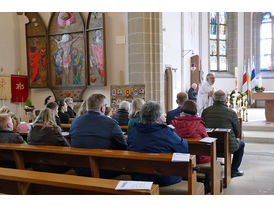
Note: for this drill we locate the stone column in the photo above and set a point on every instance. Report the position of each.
(145, 53)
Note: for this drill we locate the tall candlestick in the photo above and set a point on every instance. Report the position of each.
(236, 78)
(260, 82)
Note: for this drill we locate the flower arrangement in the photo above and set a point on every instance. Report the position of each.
(258, 89)
(237, 95)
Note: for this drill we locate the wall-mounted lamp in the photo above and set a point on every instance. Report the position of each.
(174, 69)
(185, 52)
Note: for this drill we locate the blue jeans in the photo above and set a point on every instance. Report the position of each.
(237, 157)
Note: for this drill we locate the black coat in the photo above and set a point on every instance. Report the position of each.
(64, 117)
(121, 116)
(70, 112)
(192, 94)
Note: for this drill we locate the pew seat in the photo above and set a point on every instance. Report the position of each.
(39, 183)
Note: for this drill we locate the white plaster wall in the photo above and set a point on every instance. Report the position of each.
(190, 42)
(172, 48)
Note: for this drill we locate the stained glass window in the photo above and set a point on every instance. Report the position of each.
(266, 42)
(217, 43)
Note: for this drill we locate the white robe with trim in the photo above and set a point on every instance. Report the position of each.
(203, 100)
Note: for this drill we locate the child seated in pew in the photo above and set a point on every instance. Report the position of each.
(45, 131)
(8, 136)
(15, 121)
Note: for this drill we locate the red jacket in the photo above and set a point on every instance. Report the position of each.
(191, 127)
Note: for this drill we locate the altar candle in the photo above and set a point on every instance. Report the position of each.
(236, 78)
(260, 82)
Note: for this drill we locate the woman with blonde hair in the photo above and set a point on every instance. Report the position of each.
(45, 131)
(135, 108)
(15, 121)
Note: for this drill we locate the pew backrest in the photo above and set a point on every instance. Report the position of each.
(96, 159)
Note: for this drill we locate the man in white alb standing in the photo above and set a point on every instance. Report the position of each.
(206, 90)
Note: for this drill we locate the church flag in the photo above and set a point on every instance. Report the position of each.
(5, 87)
(244, 87)
(19, 88)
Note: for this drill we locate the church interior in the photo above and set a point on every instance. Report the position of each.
(76, 57)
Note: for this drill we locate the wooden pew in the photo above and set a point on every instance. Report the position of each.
(222, 145)
(196, 147)
(66, 126)
(124, 128)
(24, 182)
(70, 120)
(95, 159)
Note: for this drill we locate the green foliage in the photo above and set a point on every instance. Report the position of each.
(28, 102)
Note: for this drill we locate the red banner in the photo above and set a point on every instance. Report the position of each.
(19, 88)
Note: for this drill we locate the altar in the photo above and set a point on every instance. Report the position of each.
(268, 97)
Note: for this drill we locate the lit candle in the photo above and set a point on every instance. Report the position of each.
(236, 78)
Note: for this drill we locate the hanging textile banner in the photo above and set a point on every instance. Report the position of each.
(19, 88)
(5, 87)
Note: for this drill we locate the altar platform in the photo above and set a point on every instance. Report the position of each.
(257, 129)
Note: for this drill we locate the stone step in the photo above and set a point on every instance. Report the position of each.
(259, 137)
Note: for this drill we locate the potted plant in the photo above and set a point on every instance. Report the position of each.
(258, 89)
(28, 106)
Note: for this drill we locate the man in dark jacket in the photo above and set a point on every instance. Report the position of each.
(8, 136)
(219, 116)
(192, 94)
(150, 137)
(181, 98)
(121, 116)
(69, 102)
(96, 131)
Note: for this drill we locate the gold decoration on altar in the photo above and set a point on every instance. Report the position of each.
(5, 87)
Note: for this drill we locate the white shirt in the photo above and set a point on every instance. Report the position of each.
(203, 100)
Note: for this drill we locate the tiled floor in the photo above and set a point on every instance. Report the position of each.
(258, 166)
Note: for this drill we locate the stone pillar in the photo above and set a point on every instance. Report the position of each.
(145, 53)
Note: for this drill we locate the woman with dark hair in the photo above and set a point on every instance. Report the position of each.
(63, 116)
(188, 125)
(48, 100)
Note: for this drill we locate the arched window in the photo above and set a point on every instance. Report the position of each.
(218, 41)
(266, 42)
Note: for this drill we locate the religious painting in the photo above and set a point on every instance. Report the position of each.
(96, 49)
(125, 93)
(67, 54)
(36, 50)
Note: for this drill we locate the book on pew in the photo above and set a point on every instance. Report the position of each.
(208, 139)
(180, 157)
(134, 185)
(209, 129)
(222, 130)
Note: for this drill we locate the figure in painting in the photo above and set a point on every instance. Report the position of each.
(37, 58)
(65, 44)
(58, 66)
(76, 58)
(97, 50)
(66, 19)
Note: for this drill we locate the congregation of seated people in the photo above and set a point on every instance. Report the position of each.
(95, 127)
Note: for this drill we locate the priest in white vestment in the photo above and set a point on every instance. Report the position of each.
(205, 93)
